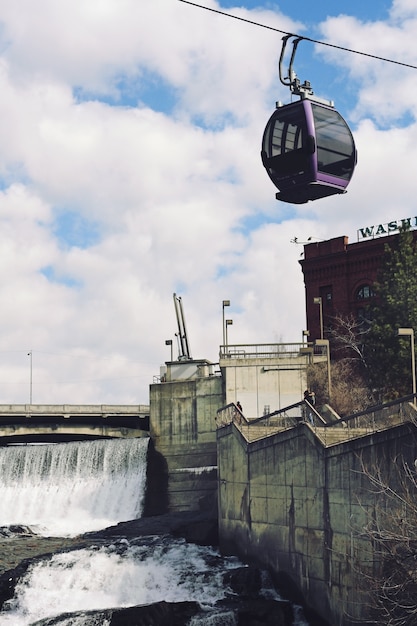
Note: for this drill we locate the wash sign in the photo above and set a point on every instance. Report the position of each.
(370, 232)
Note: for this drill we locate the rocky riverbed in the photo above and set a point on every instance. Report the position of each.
(19, 549)
(18, 543)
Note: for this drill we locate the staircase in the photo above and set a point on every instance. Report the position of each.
(358, 425)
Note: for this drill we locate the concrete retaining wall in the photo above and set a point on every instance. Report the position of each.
(298, 507)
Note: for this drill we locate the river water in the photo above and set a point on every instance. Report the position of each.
(65, 490)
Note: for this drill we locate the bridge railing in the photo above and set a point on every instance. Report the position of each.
(103, 410)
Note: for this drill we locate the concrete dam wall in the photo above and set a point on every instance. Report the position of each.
(183, 450)
(298, 498)
(299, 501)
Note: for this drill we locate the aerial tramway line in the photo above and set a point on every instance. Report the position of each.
(308, 149)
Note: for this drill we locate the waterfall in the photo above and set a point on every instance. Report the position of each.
(71, 488)
(119, 575)
(67, 489)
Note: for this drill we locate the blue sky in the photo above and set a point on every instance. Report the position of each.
(130, 169)
(313, 12)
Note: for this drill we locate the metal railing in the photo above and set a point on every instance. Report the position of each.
(282, 418)
(267, 350)
(381, 416)
(373, 419)
(229, 414)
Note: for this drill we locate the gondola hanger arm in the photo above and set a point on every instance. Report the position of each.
(303, 90)
(291, 80)
(286, 80)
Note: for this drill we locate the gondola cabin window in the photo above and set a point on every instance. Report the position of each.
(335, 148)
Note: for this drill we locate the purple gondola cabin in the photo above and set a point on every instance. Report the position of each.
(308, 151)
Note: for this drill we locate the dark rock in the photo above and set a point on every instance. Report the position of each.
(253, 610)
(265, 613)
(157, 614)
(289, 589)
(253, 613)
(202, 532)
(9, 580)
(19, 529)
(244, 581)
(287, 586)
(195, 526)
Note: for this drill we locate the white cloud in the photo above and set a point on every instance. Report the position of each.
(386, 91)
(402, 9)
(130, 169)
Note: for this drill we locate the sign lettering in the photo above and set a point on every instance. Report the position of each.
(379, 230)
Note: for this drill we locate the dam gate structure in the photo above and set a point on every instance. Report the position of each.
(183, 407)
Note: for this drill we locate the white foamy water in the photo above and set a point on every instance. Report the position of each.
(119, 576)
(71, 488)
(68, 489)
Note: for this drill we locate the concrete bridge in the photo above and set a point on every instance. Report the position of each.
(64, 422)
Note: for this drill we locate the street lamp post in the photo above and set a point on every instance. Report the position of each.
(409, 332)
(326, 343)
(228, 323)
(224, 304)
(319, 301)
(306, 335)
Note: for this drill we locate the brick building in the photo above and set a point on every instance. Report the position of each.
(338, 277)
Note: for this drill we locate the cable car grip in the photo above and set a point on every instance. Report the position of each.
(305, 89)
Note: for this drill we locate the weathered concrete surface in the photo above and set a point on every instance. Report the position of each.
(300, 508)
(183, 454)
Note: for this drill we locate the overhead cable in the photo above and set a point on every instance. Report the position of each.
(322, 43)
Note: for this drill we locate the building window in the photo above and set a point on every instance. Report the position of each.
(365, 292)
(326, 294)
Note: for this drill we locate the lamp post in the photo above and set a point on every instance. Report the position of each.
(168, 342)
(30, 378)
(224, 304)
(326, 343)
(409, 332)
(319, 301)
(306, 335)
(228, 323)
